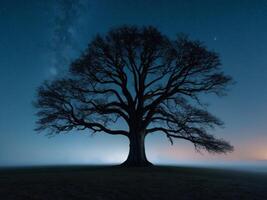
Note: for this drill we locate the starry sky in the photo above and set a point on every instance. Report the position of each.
(40, 38)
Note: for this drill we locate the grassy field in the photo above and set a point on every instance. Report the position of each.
(116, 183)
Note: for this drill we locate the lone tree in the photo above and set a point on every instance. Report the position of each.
(142, 78)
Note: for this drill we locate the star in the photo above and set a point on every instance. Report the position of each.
(53, 71)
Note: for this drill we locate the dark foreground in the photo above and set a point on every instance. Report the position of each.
(116, 183)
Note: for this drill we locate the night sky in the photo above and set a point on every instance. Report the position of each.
(40, 38)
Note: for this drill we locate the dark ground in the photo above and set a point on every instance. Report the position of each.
(108, 183)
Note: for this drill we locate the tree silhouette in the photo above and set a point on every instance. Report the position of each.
(139, 77)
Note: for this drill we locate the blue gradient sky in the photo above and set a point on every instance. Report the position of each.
(29, 55)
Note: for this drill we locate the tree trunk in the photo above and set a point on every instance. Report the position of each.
(137, 155)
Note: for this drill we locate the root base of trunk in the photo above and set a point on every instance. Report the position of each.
(136, 164)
